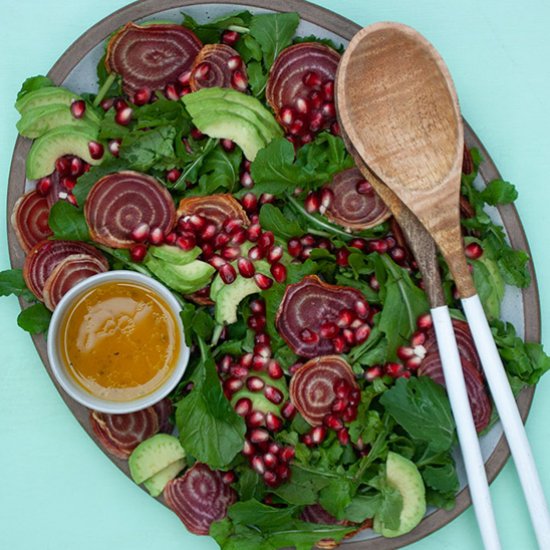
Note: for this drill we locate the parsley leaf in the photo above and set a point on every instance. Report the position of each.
(143, 150)
(499, 192)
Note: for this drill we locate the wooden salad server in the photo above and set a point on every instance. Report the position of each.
(424, 250)
(398, 106)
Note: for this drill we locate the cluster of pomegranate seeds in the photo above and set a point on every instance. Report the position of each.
(268, 458)
(319, 201)
(301, 247)
(410, 356)
(343, 410)
(245, 178)
(67, 170)
(311, 114)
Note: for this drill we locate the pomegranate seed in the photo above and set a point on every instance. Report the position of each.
(378, 245)
(186, 242)
(398, 254)
(232, 385)
(255, 419)
(414, 362)
(316, 99)
(246, 180)
(68, 183)
(78, 108)
(142, 96)
(259, 362)
(424, 322)
(274, 395)
(335, 128)
(196, 133)
(393, 369)
(302, 105)
(71, 199)
(345, 318)
(288, 411)
(294, 247)
(246, 360)
(316, 121)
(274, 448)
(246, 267)
(270, 460)
(287, 116)
(266, 239)
(339, 344)
(44, 185)
(271, 479)
(138, 252)
(120, 104)
(328, 329)
(199, 223)
(156, 236)
(229, 477)
(106, 104)
(255, 383)
(328, 90)
(373, 283)
(140, 232)
(262, 350)
(225, 363)
(362, 333)
(361, 308)
(171, 238)
(230, 252)
(420, 351)
(328, 110)
(227, 273)
(405, 352)
(342, 255)
(308, 336)
(262, 339)
(312, 202)
(391, 242)
(318, 434)
(248, 448)
(327, 196)
(239, 237)
(258, 435)
(263, 281)
(184, 78)
(256, 253)
(209, 232)
(279, 272)
(283, 471)
(372, 373)
(333, 422)
(173, 175)
(473, 251)
(201, 70)
(249, 202)
(308, 240)
(339, 406)
(243, 406)
(257, 463)
(230, 37)
(312, 79)
(418, 338)
(363, 187)
(342, 389)
(114, 147)
(274, 370)
(257, 306)
(234, 62)
(307, 440)
(238, 81)
(256, 322)
(350, 414)
(220, 240)
(124, 116)
(349, 336)
(297, 127)
(227, 145)
(354, 397)
(275, 254)
(273, 422)
(96, 150)
(287, 454)
(343, 436)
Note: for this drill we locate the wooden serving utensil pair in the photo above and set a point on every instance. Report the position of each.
(399, 115)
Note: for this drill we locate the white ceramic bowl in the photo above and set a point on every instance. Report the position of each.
(68, 383)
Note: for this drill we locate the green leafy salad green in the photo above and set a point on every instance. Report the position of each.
(307, 409)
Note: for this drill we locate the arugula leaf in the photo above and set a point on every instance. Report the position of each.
(274, 32)
(421, 407)
(87, 180)
(252, 512)
(336, 496)
(489, 285)
(272, 219)
(209, 429)
(499, 192)
(143, 150)
(441, 477)
(163, 112)
(513, 265)
(390, 507)
(211, 32)
(35, 319)
(257, 78)
(34, 83)
(12, 282)
(68, 222)
(110, 129)
(220, 171)
(191, 162)
(363, 507)
(303, 487)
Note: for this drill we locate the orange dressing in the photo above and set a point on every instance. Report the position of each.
(119, 341)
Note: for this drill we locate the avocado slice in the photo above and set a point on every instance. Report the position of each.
(64, 140)
(155, 484)
(403, 475)
(37, 121)
(230, 296)
(186, 278)
(153, 455)
(45, 96)
(174, 255)
(261, 266)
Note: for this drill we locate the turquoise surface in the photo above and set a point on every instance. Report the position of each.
(57, 489)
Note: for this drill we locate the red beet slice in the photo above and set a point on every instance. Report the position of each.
(299, 73)
(199, 498)
(218, 65)
(151, 56)
(66, 274)
(215, 208)
(44, 257)
(118, 203)
(315, 513)
(29, 219)
(479, 399)
(164, 409)
(120, 434)
(352, 209)
(312, 386)
(305, 307)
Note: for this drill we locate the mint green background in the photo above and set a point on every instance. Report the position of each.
(57, 490)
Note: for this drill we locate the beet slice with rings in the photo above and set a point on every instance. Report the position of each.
(120, 434)
(164, 410)
(215, 208)
(300, 87)
(66, 274)
(151, 56)
(29, 219)
(315, 513)
(305, 307)
(355, 205)
(119, 202)
(218, 65)
(312, 386)
(199, 498)
(43, 258)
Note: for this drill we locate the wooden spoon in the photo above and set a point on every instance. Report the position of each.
(398, 106)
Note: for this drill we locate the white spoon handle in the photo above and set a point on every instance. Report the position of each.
(510, 418)
(467, 435)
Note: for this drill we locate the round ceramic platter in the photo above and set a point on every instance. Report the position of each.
(76, 69)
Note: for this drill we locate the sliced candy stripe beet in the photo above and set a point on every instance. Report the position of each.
(352, 209)
(286, 78)
(305, 306)
(118, 203)
(120, 434)
(315, 513)
(218, 65)
(67, 273)
(151, 56)
(312, 386)
(477, 393)
(199, 498)
(215, 208)
(29, 219)
(44, 257)
(164, 410)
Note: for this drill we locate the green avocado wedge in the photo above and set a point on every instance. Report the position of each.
(403, 475)
(155, 484)
(64, 140)
(174, 255)
(186, 278)
(45, 96)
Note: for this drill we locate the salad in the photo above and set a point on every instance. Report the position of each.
(314, 403)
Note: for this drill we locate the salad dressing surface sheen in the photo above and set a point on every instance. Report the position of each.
(120, 341)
